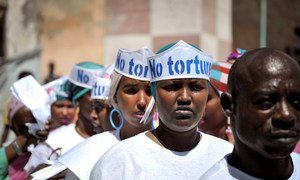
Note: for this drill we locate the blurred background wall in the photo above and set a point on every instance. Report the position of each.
(34, 33)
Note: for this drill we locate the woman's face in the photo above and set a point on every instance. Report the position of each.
(132, 98)
(181, 102)
(62, 112)
(85, 106)
(214, 118)
(100, 113)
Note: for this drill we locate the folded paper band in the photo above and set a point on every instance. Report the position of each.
(180, 61)
(83, 77)
(100, 89)
(133, 64)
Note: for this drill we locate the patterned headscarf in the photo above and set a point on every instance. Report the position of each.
(219, 75)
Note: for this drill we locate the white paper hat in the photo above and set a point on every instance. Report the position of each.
(182, 60)
(53, 88)
(83, 77)
(133, 64)
(33, 95)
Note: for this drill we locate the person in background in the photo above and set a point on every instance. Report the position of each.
(263, 104)
(175, 149)
(14, 157)
(5, 114)
(214, 121)
(62, 108)
(86, 150)
(78, 87)
(51, 75)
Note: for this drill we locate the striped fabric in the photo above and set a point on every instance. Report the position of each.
(219, 75)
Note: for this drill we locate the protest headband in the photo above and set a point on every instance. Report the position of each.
(133, 64)
(180, 61)
(100, 89)
(84, 77)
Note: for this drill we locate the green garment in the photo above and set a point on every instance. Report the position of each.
(3, 165)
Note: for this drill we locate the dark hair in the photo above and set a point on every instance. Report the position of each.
(24, 74)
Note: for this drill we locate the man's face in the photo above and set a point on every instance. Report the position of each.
(181, 102)
(267, 109)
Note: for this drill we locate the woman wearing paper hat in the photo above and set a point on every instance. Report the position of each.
(214, 120)
(78, 87)
(175, 149)
(133, 106)
(62, 109)
(14, 157)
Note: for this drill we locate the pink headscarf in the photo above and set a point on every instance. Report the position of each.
(13, 106)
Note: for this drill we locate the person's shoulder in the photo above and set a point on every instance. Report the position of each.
(217, 142)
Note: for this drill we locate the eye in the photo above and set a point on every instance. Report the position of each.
(148, 90)
(196, 87)
(130, 90)
(264, 103)
(172, 87)
(295, 101)
(98, 107)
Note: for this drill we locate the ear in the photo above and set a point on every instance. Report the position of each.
(227, 104)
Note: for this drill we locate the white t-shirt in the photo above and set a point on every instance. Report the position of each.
(222, 170)
(59, 141)
(141, 158)
(82, 157)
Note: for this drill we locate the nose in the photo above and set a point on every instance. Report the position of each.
(184, 97)
(142, 101)
(94, 115)
(284, 116)
(64, 110)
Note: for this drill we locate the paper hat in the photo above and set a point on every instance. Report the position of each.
(100, 88)
(101, 85)
(182, 60)
(133, 64)
(83, 77)
(55, 90)
(219, 75)
(33, 96)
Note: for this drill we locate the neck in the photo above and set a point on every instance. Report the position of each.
(218, 132)
(254, 164)
(128, 130)
(177, 141)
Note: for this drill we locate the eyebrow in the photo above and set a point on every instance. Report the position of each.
(130, 85)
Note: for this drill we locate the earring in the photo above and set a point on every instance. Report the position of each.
(112, 121)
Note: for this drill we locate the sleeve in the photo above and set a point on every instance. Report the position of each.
(3, 164)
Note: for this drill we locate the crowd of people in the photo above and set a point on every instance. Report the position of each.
(176, 113)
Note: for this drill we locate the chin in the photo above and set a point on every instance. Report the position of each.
(276, 152)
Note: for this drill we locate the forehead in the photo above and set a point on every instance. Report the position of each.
(129, 81)
(271, 73)
(183, 80)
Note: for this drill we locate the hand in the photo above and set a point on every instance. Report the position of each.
(42, 135)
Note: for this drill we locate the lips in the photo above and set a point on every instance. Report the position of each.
(184, 112)
(139, 114)
(284, 136)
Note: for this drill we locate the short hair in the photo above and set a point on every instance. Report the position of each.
(236, 76)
